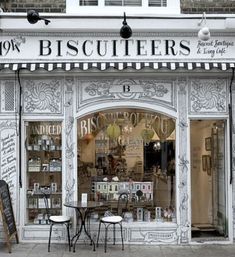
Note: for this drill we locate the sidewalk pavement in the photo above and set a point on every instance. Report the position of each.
(61, 250)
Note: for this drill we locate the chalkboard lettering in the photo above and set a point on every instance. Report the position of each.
(7, 213)
(8, 160)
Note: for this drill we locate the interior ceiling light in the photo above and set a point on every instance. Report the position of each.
(33, 17)
(125, 31)
(204, 32)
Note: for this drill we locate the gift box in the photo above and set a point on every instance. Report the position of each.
(34, 165)
(55, 165)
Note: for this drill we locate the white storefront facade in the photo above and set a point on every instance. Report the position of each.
(74, 91)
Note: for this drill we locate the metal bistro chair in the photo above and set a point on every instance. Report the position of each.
(112, 219)
(55, 219)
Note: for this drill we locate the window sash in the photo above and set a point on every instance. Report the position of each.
(123, 2)
(88, 2)
(157, 3)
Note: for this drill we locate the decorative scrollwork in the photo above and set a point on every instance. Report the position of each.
(8, 124)
(42, 96)
(158, 236)
(183, 124)
(149, 90)
(98, 88)
(69, 187)
(152, 89)
(69, 142)
(183, 163)
(184, 197)
(208, 96)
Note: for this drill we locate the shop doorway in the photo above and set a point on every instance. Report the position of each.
(208, 180)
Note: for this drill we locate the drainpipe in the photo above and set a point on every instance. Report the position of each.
(20, 130)
(231, 127)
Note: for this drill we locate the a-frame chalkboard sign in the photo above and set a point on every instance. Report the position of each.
(8, 218)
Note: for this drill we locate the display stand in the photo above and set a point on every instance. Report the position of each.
(8, 218)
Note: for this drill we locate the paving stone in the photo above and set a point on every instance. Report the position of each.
(61, 250)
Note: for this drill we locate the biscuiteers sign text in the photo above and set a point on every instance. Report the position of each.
(40, 48)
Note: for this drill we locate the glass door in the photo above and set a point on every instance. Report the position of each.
(208, 179)
(219, 185)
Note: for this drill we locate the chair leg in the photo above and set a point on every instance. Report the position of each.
(122, 236)
(97, 242)
(49, 241)
(105, 238)
(68, 233)
(88, 225)
(114, 234)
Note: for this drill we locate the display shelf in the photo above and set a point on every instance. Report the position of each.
(43, 169)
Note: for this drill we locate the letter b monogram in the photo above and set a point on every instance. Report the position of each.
(126, 88)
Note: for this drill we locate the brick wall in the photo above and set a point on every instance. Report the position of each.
(58, 6)
(54, 6)
(208, 6)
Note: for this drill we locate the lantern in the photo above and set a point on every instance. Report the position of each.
(163, 126)
(147, 135)
(88, 138)
(113, 131)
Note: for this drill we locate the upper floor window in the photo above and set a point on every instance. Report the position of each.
(88, 2)
(158, 3)
(154, 3)
(130, 6)
(123, 2)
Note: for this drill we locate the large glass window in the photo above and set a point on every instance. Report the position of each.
(44, 169)
(133, 151)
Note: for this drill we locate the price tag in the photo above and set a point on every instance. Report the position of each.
(84, 197)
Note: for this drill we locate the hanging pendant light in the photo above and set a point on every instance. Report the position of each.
(33, 17)
(113, 131)
(147, 134)
(204, 32)
(125, 31)
(127, 128)
(157, 146)
(163, 126)
(88, 137)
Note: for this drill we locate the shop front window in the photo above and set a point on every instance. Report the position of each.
(132, 151)
(43, 169)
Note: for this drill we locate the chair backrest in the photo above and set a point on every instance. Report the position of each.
(46, 198)
(122, 204)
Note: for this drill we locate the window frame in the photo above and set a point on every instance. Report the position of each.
(73, 6)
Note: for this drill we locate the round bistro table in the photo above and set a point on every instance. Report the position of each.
(82, 213)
